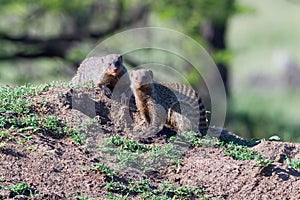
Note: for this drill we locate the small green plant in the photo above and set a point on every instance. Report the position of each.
(127, 144)
(103, 169)
(140, 186)
(3, 145)
(83, 198)
(79, 138)
(295, 163)
(26, 137)
(80, 197)
(116, 196)
(58, 129)
(123, 189)
(3, 135)
(181, 192)
(17, 115)
(126, 153)
(143, 188)
(117, 187)
(240, 152)
(193, 139)
(16, 100)
(132, 187)
(263, 162)
(53, 124)
(20, 188)
(31, 148)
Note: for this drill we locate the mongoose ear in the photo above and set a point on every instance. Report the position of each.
(120, 59)
(151, 73)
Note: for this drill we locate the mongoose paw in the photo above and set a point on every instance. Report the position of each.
(106, 91)
(148, 135)
(146, 140)
(151, 131)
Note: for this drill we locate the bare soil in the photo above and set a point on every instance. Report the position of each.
(56, 168)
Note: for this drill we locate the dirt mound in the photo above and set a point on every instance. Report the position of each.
(226, 178)
(59, 167)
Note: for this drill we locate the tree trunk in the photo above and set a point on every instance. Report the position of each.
(215, 35)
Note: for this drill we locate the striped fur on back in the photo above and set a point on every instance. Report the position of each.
(173, 104)
(187, 95)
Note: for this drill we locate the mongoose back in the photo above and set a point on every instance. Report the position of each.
(104, 71)
(173, 104)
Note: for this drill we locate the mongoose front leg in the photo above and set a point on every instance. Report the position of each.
(105, 90)
(158, 117)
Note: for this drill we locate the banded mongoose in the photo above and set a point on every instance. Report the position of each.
(173, 104)
(104, 71)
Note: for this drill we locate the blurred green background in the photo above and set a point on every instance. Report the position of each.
(254, 43)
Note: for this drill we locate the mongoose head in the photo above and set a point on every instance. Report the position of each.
(141, 77)
(113, 64)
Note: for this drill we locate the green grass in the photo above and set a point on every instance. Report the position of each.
(295, 163)
(16, 100)
(79, 138)
(80, 197)
(145, 190)
(20, 188)
(103, 169)
(124, 153)
(192, 139)
(240, 152)
(127, 189)
(129, 145)
(18, 118)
